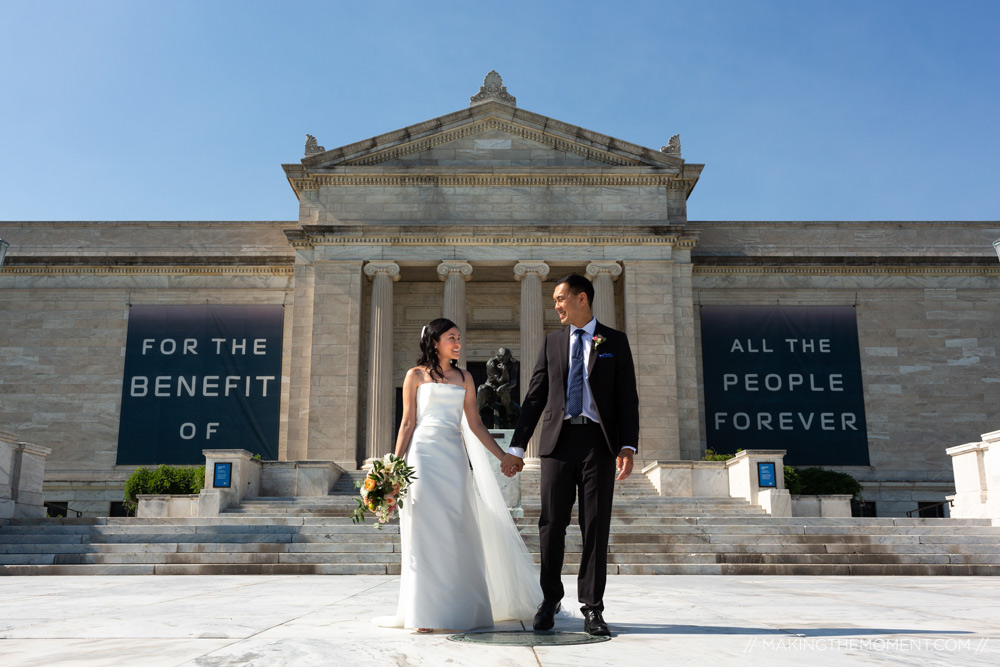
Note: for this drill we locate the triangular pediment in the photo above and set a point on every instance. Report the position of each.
(491, 135)
(490, 144)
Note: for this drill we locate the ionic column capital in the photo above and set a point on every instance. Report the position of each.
(612, 269)
(457, 267)
(391, 269)
(530, 266)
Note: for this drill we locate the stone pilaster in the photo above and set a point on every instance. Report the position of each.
(301, 362)
(334, 397)
(689, 420)
(455, 274)
(603, 274)
(649, 323)
(379, 432)
(531, 273)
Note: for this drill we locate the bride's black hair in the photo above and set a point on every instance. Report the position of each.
(428, 353)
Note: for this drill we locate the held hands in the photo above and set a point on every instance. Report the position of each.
(511, 465)
(624, 463)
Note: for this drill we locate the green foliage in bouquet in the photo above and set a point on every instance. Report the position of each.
(383, 490)
(165, 479)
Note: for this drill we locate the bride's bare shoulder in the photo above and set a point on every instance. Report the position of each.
(417, 375)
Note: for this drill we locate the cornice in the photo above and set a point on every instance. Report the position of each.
(603, 178)
(312, 241)
(133, 270)
(489, 115)
(845, 270)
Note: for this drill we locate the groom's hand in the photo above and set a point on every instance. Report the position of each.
(624, 463)
(511, 465)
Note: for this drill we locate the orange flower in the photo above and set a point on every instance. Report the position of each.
(390, 501)
(369, 483)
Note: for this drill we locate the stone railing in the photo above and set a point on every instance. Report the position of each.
(247, 477)
(977, 478)
(738, 478)
(834, 505)
(22, 469)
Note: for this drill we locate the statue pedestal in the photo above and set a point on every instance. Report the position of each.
(509, 486)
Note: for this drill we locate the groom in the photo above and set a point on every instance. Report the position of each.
(584, 390)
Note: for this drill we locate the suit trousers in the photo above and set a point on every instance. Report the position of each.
(581, 463)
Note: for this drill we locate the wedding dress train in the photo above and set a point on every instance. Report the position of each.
(464, 564)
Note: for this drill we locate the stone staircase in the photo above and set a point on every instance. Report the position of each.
(649, 535)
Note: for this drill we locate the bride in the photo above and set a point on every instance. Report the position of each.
(464, 564)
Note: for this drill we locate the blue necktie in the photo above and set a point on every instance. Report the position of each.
(574, 398)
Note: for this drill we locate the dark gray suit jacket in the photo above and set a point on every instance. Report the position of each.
(611, 376)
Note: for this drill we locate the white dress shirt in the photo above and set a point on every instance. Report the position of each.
(587, 340)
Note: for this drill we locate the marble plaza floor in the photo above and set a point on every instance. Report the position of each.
(668, 620)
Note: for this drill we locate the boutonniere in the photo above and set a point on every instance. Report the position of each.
(598, 339)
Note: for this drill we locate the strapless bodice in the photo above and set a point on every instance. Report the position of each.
(440, 404)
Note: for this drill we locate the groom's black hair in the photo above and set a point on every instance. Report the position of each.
(576, 284)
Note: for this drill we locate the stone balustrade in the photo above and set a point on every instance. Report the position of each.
(977, 478)
(22, 468)
(735, 478)
(248, 478)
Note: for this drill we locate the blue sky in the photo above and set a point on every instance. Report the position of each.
(801, 110)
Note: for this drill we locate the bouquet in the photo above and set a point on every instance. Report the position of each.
(383, 490)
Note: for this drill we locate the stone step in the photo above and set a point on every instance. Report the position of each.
(572, 559)
(650, 526)
(745, 569)
(15, 524)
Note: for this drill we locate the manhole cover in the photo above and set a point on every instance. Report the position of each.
(526, 638)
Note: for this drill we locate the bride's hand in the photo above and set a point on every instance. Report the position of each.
(511, 465)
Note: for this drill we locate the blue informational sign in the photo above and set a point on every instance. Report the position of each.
(200, 377)
(223, 478)
(785, 377)
(766, 476)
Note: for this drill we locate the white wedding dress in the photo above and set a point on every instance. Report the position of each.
(464, 564)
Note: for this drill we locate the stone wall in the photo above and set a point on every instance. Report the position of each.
(927, 297)
(65, 295)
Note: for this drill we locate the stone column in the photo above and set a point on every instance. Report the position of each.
(455, 274)
(379, 434)
(603, 274)
(531, 273)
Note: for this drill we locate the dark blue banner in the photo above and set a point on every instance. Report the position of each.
(785, 377)
(200, 377)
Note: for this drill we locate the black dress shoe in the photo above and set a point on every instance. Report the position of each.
(593, 623)
(545, 618)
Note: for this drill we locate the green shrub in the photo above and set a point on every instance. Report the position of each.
(792, 480)
(822, 482)
(710, 455)
(165, 479)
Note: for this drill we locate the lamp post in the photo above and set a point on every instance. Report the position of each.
(4, 245)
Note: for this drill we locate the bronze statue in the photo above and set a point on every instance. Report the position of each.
(493, 397)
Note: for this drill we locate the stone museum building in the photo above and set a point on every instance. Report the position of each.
(868, 347)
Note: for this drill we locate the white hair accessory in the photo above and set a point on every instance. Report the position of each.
(422, 332)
